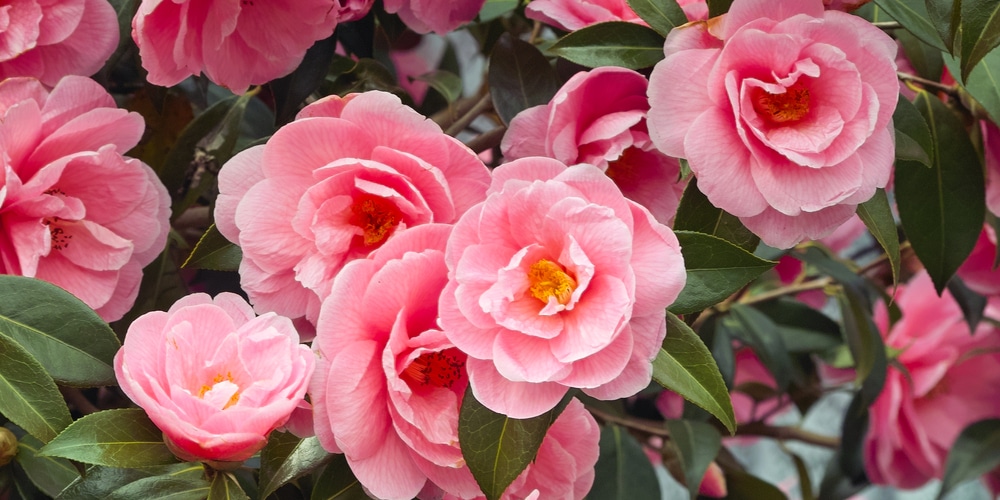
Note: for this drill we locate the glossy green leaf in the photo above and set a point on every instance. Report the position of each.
(103, 481)
(661, 15)
(50, 475)
(913, 136)
(623, 472)
(685, 366)
(802, 328)
(722, 348)
(877, 216)
(718, 7)
(446, 83)
(849, 457)
(715, 268)
(28, 396)
(696, 444)
(975, 452)
(291, 90)
(761, 333)
(163, 488)
(520, 77)
(74, 345)
(912, 14)
(493, 9)
(983, 83)
(942, 209)
(944, 18)
(213, 251)
(744, 485)
(114, 438)
(226, 487)
(696, 213)
(615, 43)
(865, 343)
(971, 303)
(926, 60)
(337, 482)
(980, 31)
(286, 457)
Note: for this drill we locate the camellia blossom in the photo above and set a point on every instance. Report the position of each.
(557, 281)
(572, 15)
(236, 44)
(212, 376)
(425, 16)
(75, 212)
(950, 381)
(49, 39)
(978, 272)
(783, 111)
(334, 185)
(599, 117)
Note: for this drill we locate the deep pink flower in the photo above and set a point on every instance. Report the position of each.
(977, 272)
(75, 212)
(332, 186)
(599, 117)
(784, 112)
(951, 379)
(49, 39)
(557, 281)
(214, 378)
(235, 43)
(572, 15)
(844, 5)
(424, 16)
(352, 10)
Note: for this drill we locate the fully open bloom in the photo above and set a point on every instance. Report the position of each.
(212, 376)
(424, 16)
(74, 211)
(784, 112)
(236, 44)
(951, 379)
(599, 117)
(334, 185)
(557, 281)
(49, 39)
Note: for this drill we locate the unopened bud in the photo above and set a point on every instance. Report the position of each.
(8, 446)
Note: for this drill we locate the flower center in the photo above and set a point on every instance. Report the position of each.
(549, 279)
(58, 237)
(376, 216)
(439, 368)
(624, 166)
(228, 377)
(790, 106)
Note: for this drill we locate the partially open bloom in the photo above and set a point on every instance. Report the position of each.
(334, 185)
(599, 117)
(784, 112)
(557, 281)
(212, 376)
(572, 15)
(424, 16)
(75, 212)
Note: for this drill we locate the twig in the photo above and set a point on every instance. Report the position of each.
(948, 89)
(815, 284)
(786, 433)
(487, 140)
(79, 401)
(648, 427)
(484, 104)
(887, 25)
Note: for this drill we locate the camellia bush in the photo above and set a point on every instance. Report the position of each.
(499, 249)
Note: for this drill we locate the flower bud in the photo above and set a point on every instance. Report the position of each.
(8, 446)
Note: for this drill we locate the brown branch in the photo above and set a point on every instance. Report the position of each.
(646, 426)
(78, 400)
(786, 433)
(487, 140)
(484, 104)
(931, 84)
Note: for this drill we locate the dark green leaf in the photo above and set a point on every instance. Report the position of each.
(697, 214)
(114, 438)
(877, 215)
(715, 268)
(742, 485)
(623, 472)
(762, 335)
(975, 452)
(983, 84)
(28, 396)
(102, 481)
(971, 303)
(828, 264)
(615, 43)
(226, 487)
(942, 209)
(865, 343)
(945, 18)
(926, 60)
(912, 14)
(446, 83)
(51, 475)
(980, 31)
(722, 349)
(685, 366)
(853, 430)
(802, 328)
(913, 136)
(163, 488)
(214, 252)
(180, 158)
(696, 443)
(289, 91)
(493, 9)
(69, 339)
(718, 7)
(520, 77)
(337, 482)
(661, 15)
(805, 484)
(286, 457)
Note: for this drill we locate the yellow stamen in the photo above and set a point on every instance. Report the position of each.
(548, 279)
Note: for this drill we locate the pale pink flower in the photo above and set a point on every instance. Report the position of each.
(334, 185)
(784, 112)
(75, 212)
(598, 117)
(557, 281)
(951, 379)
(234, 43)
(49, 39)
(977, 272)
(424, 16)
(572, 15)
(212, 376)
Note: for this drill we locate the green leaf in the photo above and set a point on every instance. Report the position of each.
(661, 15)
(74, 345)
(179, 160)
(226, 487)
(983, 83)
(286, 457)
(715, 268)
(697, 214)
(520, 77)
(913, 136)
(877, 215)
(762, 335)
(926, 60)
(114, 438)
(28, 395)
(51, 475)
(214, 252)
(102, 481)
(805, 484)
(802, 328)
(623, 472)
(289, 91)
(942, 209)
(696, 443)
(685, 366)
(971, 303)
(912, 14)
(865, 343)
(493, 9)
(615, 43)
(743, 485)
(945, 18)
(446, 83)
(163, 488)
(337, 482)
(980, 31)
(976, 451)
(718, 7)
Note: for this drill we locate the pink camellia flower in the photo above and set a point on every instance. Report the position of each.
(557, 281)
(784, 112)
(978, 272)
(334, 185)
(236, 44)
(572, 15)
(212, 376)
(49, 39)
(352, 10)
(75, 212)
(610, 132)
(424, 16)
(844, 5)
(948, 379)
